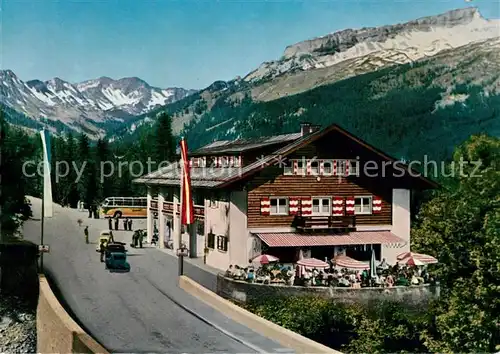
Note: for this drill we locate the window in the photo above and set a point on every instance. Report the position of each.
(288, 170)
(300, 167)
(225, 161)
(199, 198)
(315, 167)
(211, 240)
(362, 205)
(353, 167)
(279, 206)
(321, 206)
(341, 167)
(327, 167)
(200, 227)
(222, 243)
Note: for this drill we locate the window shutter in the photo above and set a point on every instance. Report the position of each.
(231, 161)
(347, 167)
(306, 206)
(338, 206)
(334, 167)
(309, 170)
(265, 206)
(377, 205)
(293, 207)
(349, 206)
(321, 167)
(295, 167)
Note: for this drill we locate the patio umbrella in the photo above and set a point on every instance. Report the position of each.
(373, 270)
(349, 263)
(313, 263)
(265, 259)
(424, 258)
(412, 261)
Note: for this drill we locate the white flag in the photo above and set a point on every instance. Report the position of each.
(47, 186)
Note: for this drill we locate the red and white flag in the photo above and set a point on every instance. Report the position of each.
(187, 209)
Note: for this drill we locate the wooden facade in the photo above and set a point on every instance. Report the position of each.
(271, 182)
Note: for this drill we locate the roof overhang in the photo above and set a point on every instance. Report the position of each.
(278, 156)
(290, 239)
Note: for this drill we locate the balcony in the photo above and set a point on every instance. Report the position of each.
(327, 222)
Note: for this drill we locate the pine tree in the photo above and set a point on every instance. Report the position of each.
(15, 149)
(165, 147)
(105, 169)
(71, 185)
(84, 164)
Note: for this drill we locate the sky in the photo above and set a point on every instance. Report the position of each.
(184, 43)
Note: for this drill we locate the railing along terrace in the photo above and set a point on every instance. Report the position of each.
(324, 222)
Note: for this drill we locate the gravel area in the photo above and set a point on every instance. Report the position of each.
(17, 326)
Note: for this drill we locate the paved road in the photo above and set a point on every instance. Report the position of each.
(140, 311)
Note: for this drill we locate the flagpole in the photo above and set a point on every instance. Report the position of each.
(43, 215)
(181, 204)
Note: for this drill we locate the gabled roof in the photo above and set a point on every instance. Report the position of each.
(241, 145)
(220, 177)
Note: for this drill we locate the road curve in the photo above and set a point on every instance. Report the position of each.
(140, 311)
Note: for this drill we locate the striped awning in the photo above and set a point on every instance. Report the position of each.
(342, 261)
(291, 239)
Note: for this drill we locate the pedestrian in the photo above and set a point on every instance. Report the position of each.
(102, 249)
(89, 208)
(86, 233)
(125, 223)
(116, 223)
(140, 238)
(130, 224)
(110, 223)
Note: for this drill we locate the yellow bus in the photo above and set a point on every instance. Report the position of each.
(126, 207)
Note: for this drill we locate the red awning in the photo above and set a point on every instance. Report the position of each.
(291, 239)
(350, 263)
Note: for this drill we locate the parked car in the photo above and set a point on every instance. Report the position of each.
(117, 261)
(104, 235)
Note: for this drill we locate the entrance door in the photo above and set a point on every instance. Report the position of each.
(322, 206)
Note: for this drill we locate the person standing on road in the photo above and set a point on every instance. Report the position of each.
(86, 233)
(110, 223)
(125, 223)
(130, 224)
(141, 236)
(102, 249)
(116, 223)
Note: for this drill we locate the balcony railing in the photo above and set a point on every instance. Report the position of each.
(199, 210)
(307, 223)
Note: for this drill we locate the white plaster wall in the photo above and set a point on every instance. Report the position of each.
(238, 232)
(217, 222)
(400, 224)
(149, 221)
(161, 219)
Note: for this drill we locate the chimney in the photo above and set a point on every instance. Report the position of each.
(307, 128)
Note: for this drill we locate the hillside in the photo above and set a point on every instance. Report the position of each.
(328, 59)
(93, 106)
(426, 107)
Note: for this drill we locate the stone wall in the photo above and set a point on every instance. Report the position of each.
(56, 331)
(18, 269)
(242, 292)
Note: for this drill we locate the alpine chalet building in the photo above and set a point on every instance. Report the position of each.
(316, 193)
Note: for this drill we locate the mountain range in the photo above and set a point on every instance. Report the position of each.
(444, 63)
(88, 105)
(332, 58)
